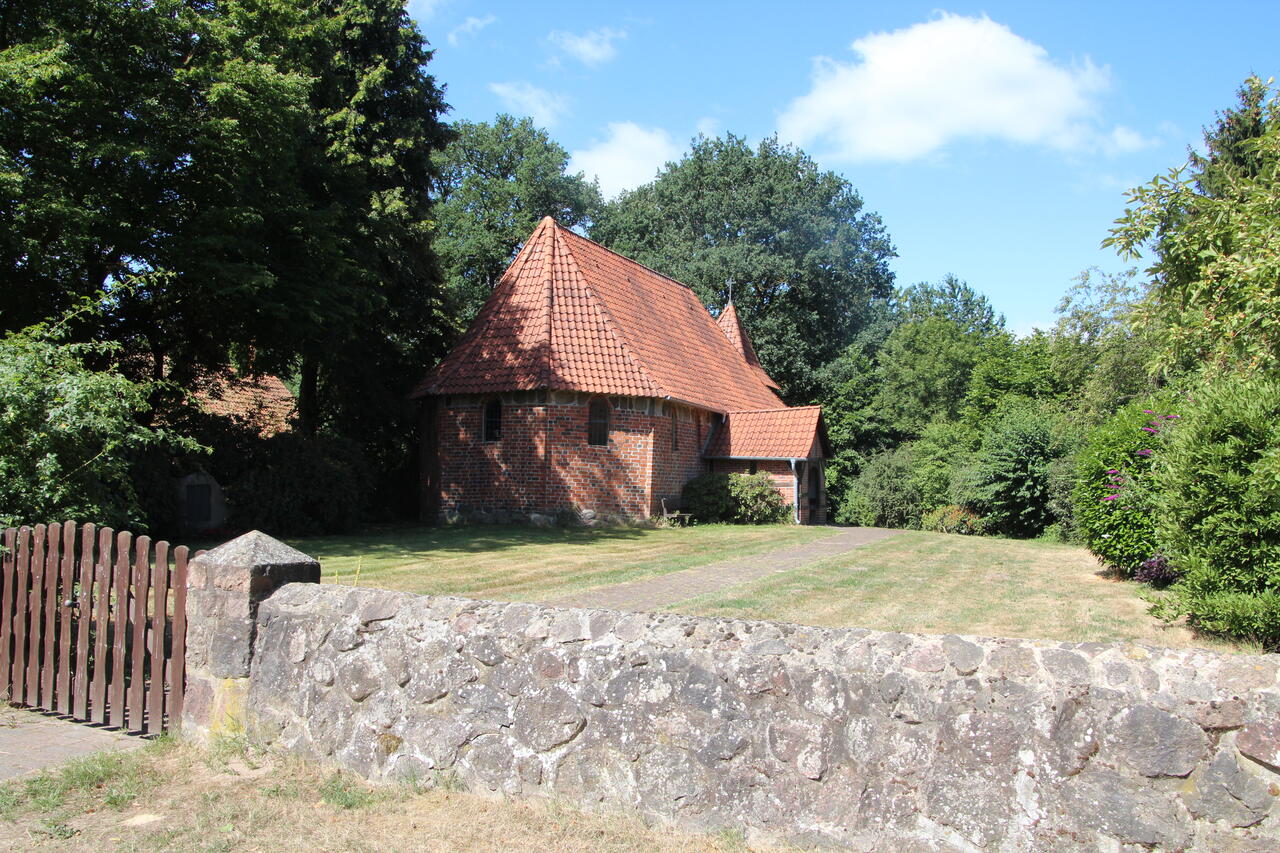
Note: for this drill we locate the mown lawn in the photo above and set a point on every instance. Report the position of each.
(937, 583)
(175, 796)
(532, 564)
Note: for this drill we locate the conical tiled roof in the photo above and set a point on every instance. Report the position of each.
(731, 324)
(569, 314)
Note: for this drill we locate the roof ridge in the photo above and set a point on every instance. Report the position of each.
(610, 323)
(779, 409)
(662, 275)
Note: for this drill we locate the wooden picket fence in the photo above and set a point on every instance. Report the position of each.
(93, 624)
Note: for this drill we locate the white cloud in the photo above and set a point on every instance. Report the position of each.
(468, 27)
(910, 92)
(593, 47)
(523, 98)
(629, 156)
(1122, 140)
(708, 126)
(421, 10)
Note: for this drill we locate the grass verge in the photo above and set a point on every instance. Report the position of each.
(175, 796)
(531, 564)
(936, 583)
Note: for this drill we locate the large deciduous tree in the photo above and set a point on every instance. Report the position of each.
(496, 180)
(244, 181)
(1215, 231)
(802, 258)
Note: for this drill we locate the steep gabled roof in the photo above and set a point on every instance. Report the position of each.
(731, 324)
(571, 315)
(262, 401)
(771, 434)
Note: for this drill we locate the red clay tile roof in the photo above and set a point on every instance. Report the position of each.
(571, 315)
(772, 434)
(731, 324)
(263, 401)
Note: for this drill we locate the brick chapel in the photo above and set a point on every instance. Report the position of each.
(590, 382)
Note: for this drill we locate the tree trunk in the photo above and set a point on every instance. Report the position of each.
(308, 387)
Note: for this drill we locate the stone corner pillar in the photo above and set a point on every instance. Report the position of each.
(224, 588)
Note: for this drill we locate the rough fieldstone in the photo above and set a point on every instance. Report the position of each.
(823, 736)
(965, 657)
(1261, 742)
(1123, 809)
(1155, 742)
(548, 720)
(1222, 791)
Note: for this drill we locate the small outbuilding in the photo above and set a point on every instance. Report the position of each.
(591, 382)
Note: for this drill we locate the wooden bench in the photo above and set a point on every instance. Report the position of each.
(674, 515)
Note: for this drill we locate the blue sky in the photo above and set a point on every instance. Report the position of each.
(995, 141)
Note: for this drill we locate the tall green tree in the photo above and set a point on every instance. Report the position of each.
(496, 180)
(802, 258)
(246, 181)
(950, 299)
(1215, 282)
(923, 374)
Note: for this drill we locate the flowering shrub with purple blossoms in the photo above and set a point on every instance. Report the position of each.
(1114, 492)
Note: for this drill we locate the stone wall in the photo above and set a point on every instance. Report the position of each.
(874, 741)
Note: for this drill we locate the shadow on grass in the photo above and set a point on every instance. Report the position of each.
(394, 540)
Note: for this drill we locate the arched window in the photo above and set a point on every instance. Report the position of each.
(598, 422)
(493, 420)
(675, 431)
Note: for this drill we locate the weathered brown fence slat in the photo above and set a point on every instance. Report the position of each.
(159, 618)
(178, 656)
(21, 603)
(8, 570)
(63, 600)
(138, 649)
(52, 564)
(83, 608)
(88, 631)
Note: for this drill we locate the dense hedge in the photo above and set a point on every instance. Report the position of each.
(734, 498)
(1217, 514)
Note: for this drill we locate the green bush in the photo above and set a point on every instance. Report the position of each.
(734, 498)
(1218, 509)
(953, 519)
(69, 434)
(300, 486)
(1008, 483)
(886, 492)
(1112, 498)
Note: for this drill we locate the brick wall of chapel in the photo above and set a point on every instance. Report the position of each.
(543, 462)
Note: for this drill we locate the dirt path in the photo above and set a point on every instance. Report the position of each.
(678, 586)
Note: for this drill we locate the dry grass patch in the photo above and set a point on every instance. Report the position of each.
(532, 564)
(936, 583)
(178, 797)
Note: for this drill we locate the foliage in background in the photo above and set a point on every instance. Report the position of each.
(736, 498)
(298, 485)
(1217, 513)
(496, 181)
(69, 434)
(802, 257)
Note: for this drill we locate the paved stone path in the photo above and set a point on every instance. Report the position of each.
(31, 741)
(652, 593)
